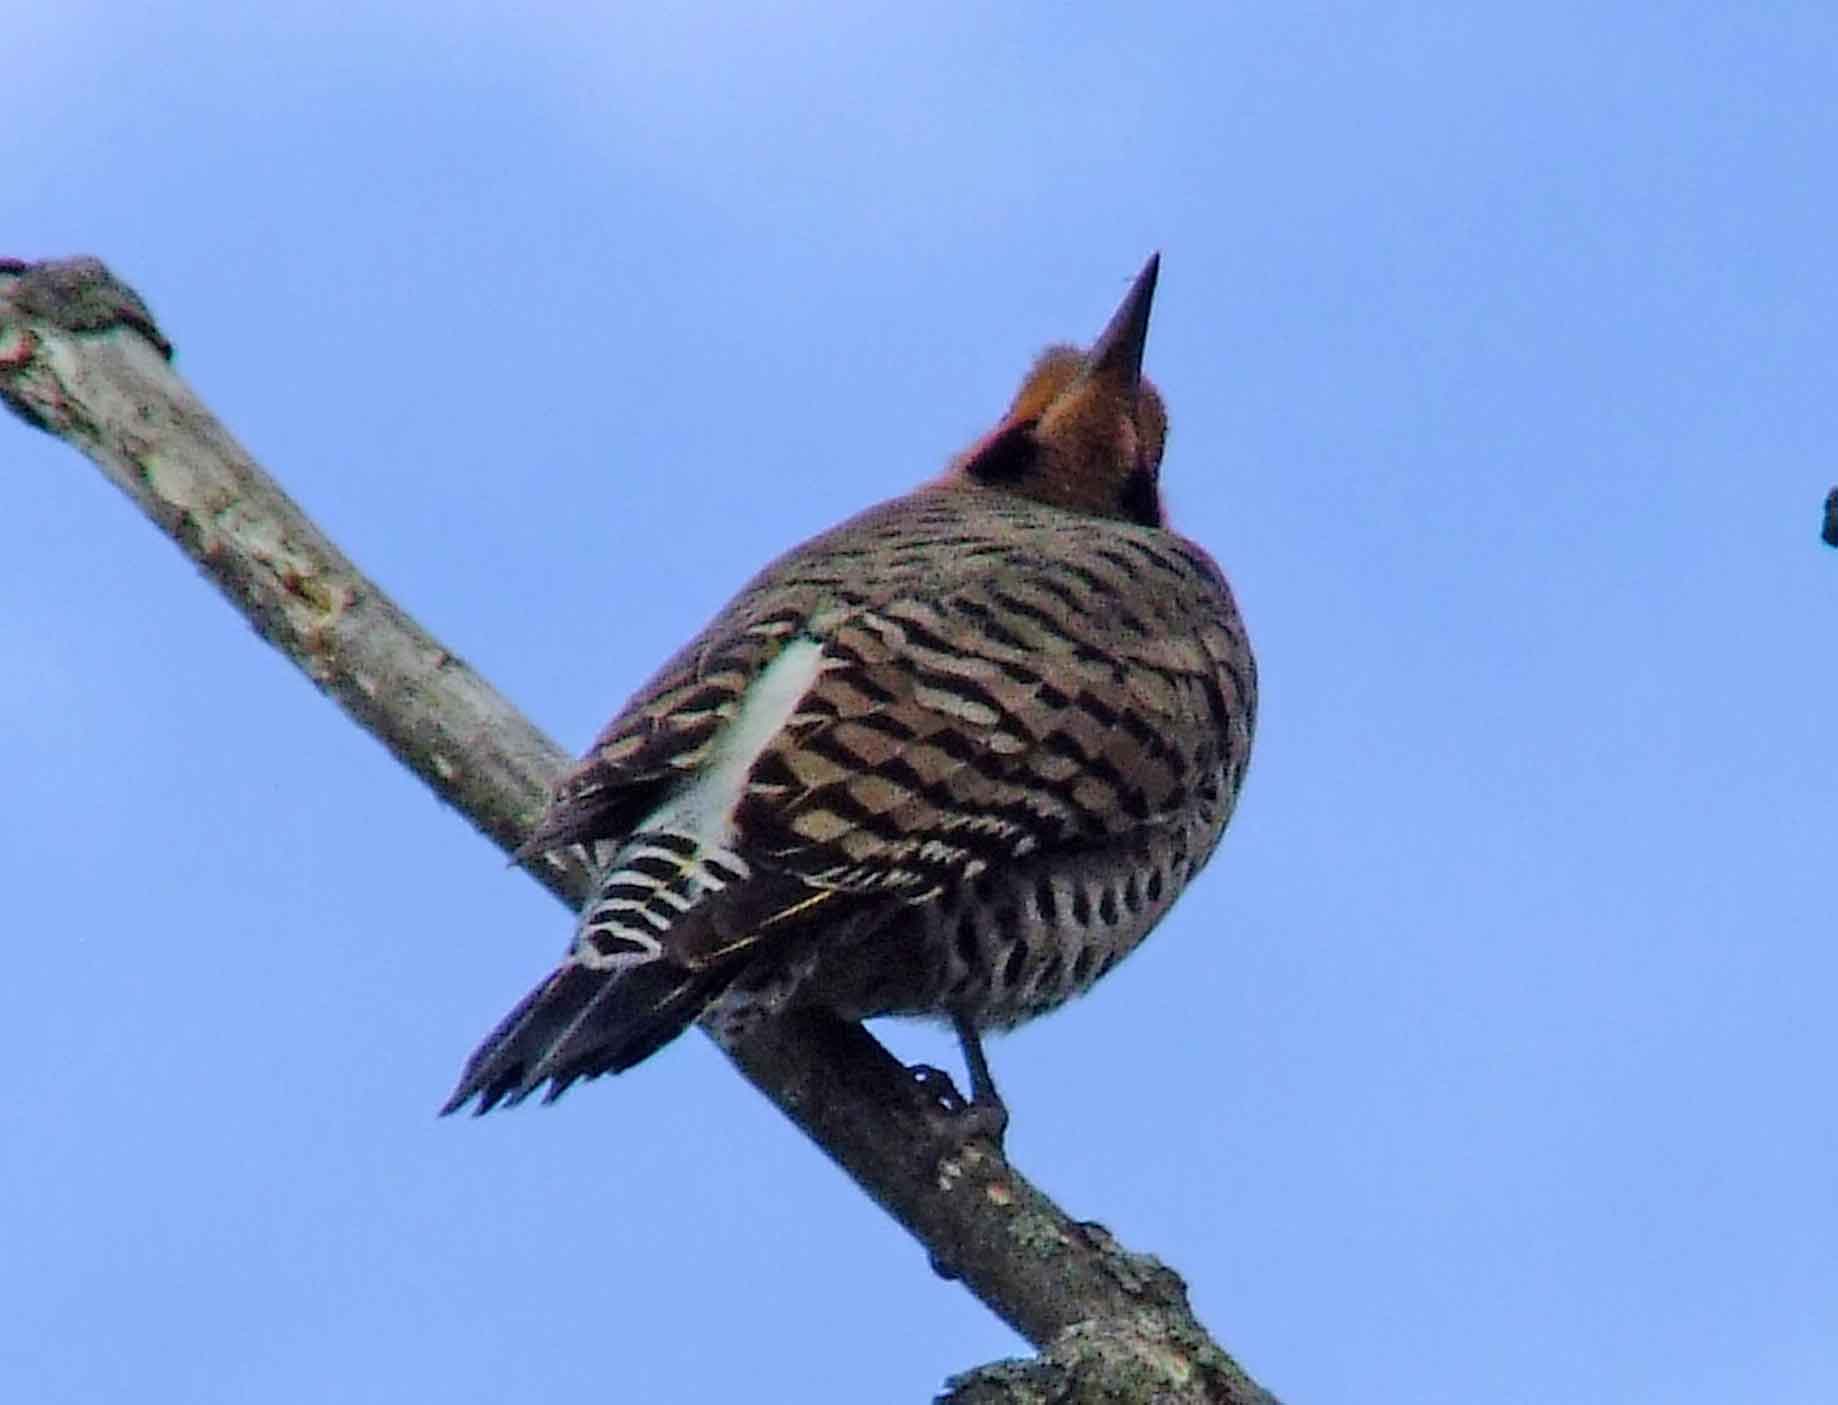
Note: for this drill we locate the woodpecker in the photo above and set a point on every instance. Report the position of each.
(952, 758)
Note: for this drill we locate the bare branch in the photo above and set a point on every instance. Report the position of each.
(81, 358)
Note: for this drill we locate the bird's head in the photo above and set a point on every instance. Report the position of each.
(1085, 432)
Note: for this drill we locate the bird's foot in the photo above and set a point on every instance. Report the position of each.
(953, 1117)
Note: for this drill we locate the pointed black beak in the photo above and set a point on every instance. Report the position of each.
(1117, 353)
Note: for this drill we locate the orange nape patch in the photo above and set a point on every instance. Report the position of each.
(1053, 373)
(1053, 370)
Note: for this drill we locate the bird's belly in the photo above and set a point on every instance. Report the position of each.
(1019, 941)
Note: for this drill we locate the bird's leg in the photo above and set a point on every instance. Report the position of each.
(983, 1094)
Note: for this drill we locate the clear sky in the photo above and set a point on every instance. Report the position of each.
(1493, 1057)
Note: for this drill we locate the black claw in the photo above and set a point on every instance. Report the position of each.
(953, 1117)
(938, 1091)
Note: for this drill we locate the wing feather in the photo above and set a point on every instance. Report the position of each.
(999, 679)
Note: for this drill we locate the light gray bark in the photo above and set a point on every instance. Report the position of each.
(81, 358)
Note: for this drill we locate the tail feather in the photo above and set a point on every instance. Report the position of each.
(582, 1022)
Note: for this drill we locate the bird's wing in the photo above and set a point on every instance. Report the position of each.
(659, 739)
(934, 749)
(1014, 713)
(982, 695)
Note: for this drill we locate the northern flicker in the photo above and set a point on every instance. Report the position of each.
(955, 757)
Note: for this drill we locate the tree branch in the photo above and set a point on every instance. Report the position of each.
(81, 358)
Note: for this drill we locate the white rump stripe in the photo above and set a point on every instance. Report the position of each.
(705, 808)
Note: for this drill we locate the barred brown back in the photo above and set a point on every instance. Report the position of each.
(1028, 734)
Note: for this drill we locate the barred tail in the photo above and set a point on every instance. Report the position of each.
(582, 1022)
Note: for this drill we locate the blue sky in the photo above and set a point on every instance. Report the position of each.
(1492, 1058)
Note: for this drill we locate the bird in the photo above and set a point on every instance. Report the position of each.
(953, 758)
